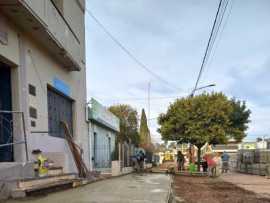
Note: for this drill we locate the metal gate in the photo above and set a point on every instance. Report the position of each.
(9, 128)
(59, 109)
(102, 151)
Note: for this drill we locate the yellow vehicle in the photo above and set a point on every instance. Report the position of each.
(168, 156)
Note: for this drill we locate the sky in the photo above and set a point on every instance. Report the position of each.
(170, 38)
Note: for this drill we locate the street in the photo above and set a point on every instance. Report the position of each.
(145, 188)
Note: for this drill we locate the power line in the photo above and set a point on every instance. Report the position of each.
(223, 8)
(139, 98)
(220, 19)
(132, 56)
(219, 37)
(209, 46)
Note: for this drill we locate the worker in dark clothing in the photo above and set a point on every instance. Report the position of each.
(204, 165)
(180, 161)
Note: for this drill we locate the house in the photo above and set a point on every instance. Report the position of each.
(42, 67)
(248, 145)
(103, 129)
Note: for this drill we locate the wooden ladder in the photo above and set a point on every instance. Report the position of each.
(76, 152)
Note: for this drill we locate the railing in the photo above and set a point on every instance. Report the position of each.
(11, 122)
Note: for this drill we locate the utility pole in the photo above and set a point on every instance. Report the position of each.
(148, 119)
(149, 88)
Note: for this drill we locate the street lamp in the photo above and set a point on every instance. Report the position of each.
(199, 88)
(192, 95)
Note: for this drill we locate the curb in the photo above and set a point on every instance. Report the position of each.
(170, 193)
(172, 197)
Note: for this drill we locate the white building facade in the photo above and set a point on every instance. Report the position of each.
(42, 67)
(103, 129)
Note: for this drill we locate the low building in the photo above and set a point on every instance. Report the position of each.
(103, 129)
(229, 148)
(248, 145)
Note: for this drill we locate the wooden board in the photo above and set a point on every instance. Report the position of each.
(24, 184)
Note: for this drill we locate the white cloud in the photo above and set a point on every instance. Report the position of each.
(170, 38)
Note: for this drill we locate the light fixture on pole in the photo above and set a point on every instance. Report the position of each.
(199, 88)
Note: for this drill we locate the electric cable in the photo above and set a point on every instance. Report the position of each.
(208, 46)
(131, 55)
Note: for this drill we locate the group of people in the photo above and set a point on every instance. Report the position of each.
(215, 164)
(211, 163)
(138, 160)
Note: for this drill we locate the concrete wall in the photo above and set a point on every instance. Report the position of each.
(66, 27)
(41, 71)
(32, 64)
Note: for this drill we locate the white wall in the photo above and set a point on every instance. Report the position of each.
(40, 68)
(101, 132)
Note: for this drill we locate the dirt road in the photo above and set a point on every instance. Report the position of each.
(212, 190)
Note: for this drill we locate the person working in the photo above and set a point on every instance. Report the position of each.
(204, 165)
(180, 161)
(138, 159)
(211, 164)
(225, 157)
(41, 165)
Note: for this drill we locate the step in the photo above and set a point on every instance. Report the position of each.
(43, 188)
(32, 182)
(54, 171)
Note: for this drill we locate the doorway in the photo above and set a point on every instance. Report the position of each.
(6, 129)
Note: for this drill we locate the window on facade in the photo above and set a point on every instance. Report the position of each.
(32, 90)
(59, 109)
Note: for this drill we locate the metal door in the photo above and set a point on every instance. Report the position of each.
(59, 109)
(102, 150)
(6, 130)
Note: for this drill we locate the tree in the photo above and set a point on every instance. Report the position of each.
(159, 147)
(128, 123)
(144, 130)
(239, 119)
(200, 119)
(172, 145)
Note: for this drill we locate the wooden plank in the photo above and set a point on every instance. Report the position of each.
(44, 181)
(55, 171)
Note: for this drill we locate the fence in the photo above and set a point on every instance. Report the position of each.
(12, 124)
(127, 151)
(253, 161)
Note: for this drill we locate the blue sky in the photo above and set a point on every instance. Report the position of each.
(170, 38)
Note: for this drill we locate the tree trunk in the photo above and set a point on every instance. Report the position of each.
(190, 153)
(199, 159)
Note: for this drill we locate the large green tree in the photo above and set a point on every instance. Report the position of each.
(128, 122)
(201, 119)
(239, 119)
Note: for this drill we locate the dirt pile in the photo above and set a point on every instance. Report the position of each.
(209, 190)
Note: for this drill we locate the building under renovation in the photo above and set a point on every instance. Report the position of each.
(42, 67)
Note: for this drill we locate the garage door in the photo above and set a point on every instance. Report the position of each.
(59, 109)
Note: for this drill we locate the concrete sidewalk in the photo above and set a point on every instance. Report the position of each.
(258, 184)
(146, 188)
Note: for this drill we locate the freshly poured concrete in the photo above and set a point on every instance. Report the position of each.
(147, 188)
